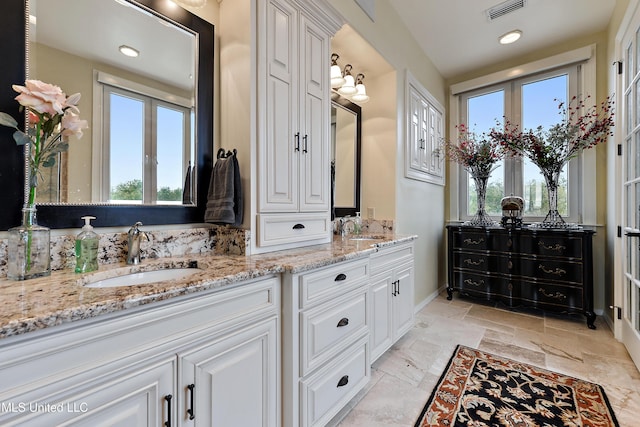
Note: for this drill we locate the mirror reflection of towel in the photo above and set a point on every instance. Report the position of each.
(224, 200)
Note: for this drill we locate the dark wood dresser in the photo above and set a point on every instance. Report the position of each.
(546, 269)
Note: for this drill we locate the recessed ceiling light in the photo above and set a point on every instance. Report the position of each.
(129, 51)
(510, 37)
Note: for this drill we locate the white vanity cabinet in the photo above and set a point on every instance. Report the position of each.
(325, 341)
(137, 367)
(392, 305)
(293, 192)
(425, 128)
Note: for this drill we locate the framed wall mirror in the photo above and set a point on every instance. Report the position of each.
(148, 153)
(346, 137)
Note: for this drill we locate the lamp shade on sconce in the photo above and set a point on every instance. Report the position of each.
(336, 73)
(361, 92)
(191, 3)
(349, 86)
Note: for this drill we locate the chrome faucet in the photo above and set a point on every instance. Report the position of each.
(133, 243)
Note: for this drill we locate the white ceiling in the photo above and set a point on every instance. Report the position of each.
(458, 37)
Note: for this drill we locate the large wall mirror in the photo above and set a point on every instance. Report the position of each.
(346, 136)
(147, 155)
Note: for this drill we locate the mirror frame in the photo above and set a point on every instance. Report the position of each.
(357, 110)
(13, 33)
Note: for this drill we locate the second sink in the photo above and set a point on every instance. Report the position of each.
(143, 277)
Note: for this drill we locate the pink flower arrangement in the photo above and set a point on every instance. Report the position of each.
(53, 118)
(477, 154)
(551, 149)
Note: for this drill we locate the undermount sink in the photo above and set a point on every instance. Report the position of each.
(143, 277)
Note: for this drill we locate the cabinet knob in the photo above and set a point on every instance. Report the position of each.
(340, 277)
(343, 381)
(343, 322)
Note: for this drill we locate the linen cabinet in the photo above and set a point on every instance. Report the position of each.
(293, 123)
(546, 269)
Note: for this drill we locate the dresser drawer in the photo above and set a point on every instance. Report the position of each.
(486, 286)
(552, 269)
(332, 281)
(545, 295)
(329, 328)
(483, 262)
(549, 244)
(279, 229)
(325, 392)
(470, 240)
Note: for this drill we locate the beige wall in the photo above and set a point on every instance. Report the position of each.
(417, 207)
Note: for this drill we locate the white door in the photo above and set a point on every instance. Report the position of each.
(402, 300)
(627, 289)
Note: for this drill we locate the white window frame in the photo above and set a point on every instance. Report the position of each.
(103, 84)
(582, 204)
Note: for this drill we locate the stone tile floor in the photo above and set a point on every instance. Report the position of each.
(403, 377)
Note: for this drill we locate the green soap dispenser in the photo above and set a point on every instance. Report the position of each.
(87, 247)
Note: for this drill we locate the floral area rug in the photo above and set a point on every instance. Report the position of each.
(479, 389)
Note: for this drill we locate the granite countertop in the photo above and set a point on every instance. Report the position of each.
(39, 303)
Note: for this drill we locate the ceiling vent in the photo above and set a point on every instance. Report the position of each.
(505, 8)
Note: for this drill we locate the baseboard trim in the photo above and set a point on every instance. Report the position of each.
(422, 304)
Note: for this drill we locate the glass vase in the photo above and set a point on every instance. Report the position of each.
(481, 219)
(29, 248)
(553, 218)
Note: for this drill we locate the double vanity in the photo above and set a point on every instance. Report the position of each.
(283, 338)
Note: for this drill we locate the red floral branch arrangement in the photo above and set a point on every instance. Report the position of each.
(551, 149)
(477, 154)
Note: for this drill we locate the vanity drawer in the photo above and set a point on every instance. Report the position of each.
(332, 281)
(328, 329)
(389, 257)
(280, 229)
(325, 392)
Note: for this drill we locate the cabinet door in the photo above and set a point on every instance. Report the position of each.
(314, 90)
(279, 154)
(135, 398)
(403, 300)
(234, 378)
(417, 131)
(381, 318)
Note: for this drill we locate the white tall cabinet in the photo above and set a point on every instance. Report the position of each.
(275, 99)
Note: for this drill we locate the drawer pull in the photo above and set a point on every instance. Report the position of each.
(471, 282)
(510, 286)
(557, 295)
(343, 322)
(557, 272)
(509, 243)
(474, 242)
(340, 277)
(168, 398)
(190, 411)
(557, 247)
(343, 381)
(472, 262)
(298, 226)
(510, 265)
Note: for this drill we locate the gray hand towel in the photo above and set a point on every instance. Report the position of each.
(224, 200)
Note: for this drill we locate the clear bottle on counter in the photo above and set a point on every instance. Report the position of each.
(357, 224)
(87, 247)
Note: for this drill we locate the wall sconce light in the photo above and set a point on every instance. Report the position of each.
(191, 3)
(361, 92)
(336, 73)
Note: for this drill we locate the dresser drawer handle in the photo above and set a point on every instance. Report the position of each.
(343, 381)
(343, 322)
(469, 261)
(474, 242)
(298, 226)
(509, 243)
(557, 295)
(557, 247)
(510, 265)
(340, 277)
(557, 272)
(471, 282)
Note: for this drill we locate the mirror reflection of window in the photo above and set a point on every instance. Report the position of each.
(149, 146)
(345, 158)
